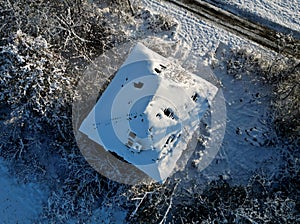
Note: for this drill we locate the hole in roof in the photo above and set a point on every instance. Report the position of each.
(158, 115)
(164, 67)
(170, 113)
(138, 85)
(157, 70)
(195, 97)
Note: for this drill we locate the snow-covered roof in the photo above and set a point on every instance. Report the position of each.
(149, 111)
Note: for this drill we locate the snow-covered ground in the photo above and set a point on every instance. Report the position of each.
(202, 37)
(19, 203)
(282, 12)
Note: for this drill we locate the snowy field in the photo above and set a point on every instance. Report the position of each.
(282, 12)
(249, 147)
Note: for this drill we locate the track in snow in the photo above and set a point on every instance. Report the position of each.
(240, 26)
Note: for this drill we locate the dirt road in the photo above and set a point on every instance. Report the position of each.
(240, 26)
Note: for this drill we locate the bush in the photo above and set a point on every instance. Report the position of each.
(281, 73)
(43, 52)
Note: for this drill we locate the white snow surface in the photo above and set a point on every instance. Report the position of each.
(283, 12)
(202, 37)
(155, 108)
(19, 203)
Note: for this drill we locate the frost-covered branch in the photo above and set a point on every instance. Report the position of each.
(170, 205)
